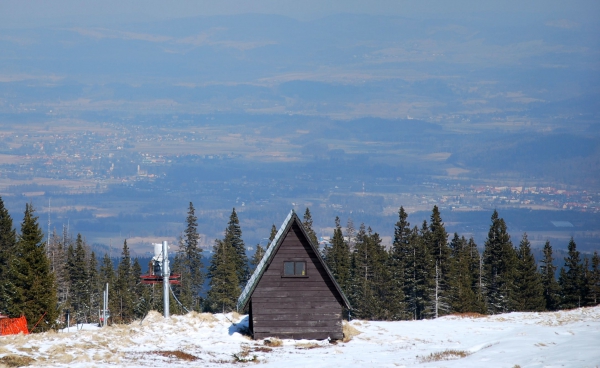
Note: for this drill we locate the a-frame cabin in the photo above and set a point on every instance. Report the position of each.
(292, 293)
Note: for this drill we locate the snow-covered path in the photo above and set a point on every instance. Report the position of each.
(552, 339)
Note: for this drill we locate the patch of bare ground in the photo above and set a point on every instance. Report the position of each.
(245, 356)
(177, 354)
(273, 342)
(443, 355)
(308, 345)
(16, 361)
(262, 349)
(467, 315)
(349, 331)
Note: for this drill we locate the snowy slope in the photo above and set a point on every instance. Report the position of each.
(553, 339)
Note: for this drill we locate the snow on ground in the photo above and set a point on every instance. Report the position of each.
(551, 339)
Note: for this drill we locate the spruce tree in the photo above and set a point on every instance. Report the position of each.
(272, 235)
(585, 292)
(370, 276)
(107, 276)
(124, 287)
(34, 280)
(141, 302)
(594, 281)
(399, 254)
(79, 292)
(95, 294)
(233, 237)
(499, 260)
(425, 273)
(384, 310)
(188, 263)
(462, 296)
(337, 257)
(350, 234)
(224, 284)
(257, 257)
(58, 265)
(308, 223)
(549, 283)
(9, 294)
(419, 269)
(441, 256)
(571, 279)
(529, 294)
(476, 269)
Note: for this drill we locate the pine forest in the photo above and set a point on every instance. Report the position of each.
(425, 273)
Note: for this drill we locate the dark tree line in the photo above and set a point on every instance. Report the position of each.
(423, 274)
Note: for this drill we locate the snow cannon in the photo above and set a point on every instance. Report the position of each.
(156, 268)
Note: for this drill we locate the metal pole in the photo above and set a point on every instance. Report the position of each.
(105, 304)
(166, 273)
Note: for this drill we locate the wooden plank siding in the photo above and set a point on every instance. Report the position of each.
(296, 307)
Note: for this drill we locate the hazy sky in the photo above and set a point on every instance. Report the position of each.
(27, 13)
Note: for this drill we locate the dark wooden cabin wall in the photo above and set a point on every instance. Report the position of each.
(289, 307)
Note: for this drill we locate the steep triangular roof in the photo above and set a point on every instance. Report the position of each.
(270, 253)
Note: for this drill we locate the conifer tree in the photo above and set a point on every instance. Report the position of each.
(585, 292)
(9, 294)
(462, 296)
(419, 269)
(233, 237)
(141, 303)
(95, 295)
(529, 288)
(594, 281)
(499, 260)
(257, 257)
(34, 281)
(124, 287)
(350, 234)
(571, 279)
(370, 276)
(549, 283)
(338, 259)
(79, 292)
(399, 254)
(439, 241)
(425, 270)
(107, 276)
(188, 263)
(272, 235)
(308, 223)
(58, 266)
(441, 256)
(224, 283)
(476, 269)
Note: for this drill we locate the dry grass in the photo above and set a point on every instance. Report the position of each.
(176, 354)
(444, 355)
(468, 315)
(308, 345)
(16, 361)
(273, 342)
(244, 356)
(262, 349)
(204, 317)
(349, 331)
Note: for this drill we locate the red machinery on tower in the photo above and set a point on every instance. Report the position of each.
(155, 269)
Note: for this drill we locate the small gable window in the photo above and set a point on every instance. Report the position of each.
(294, 268)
